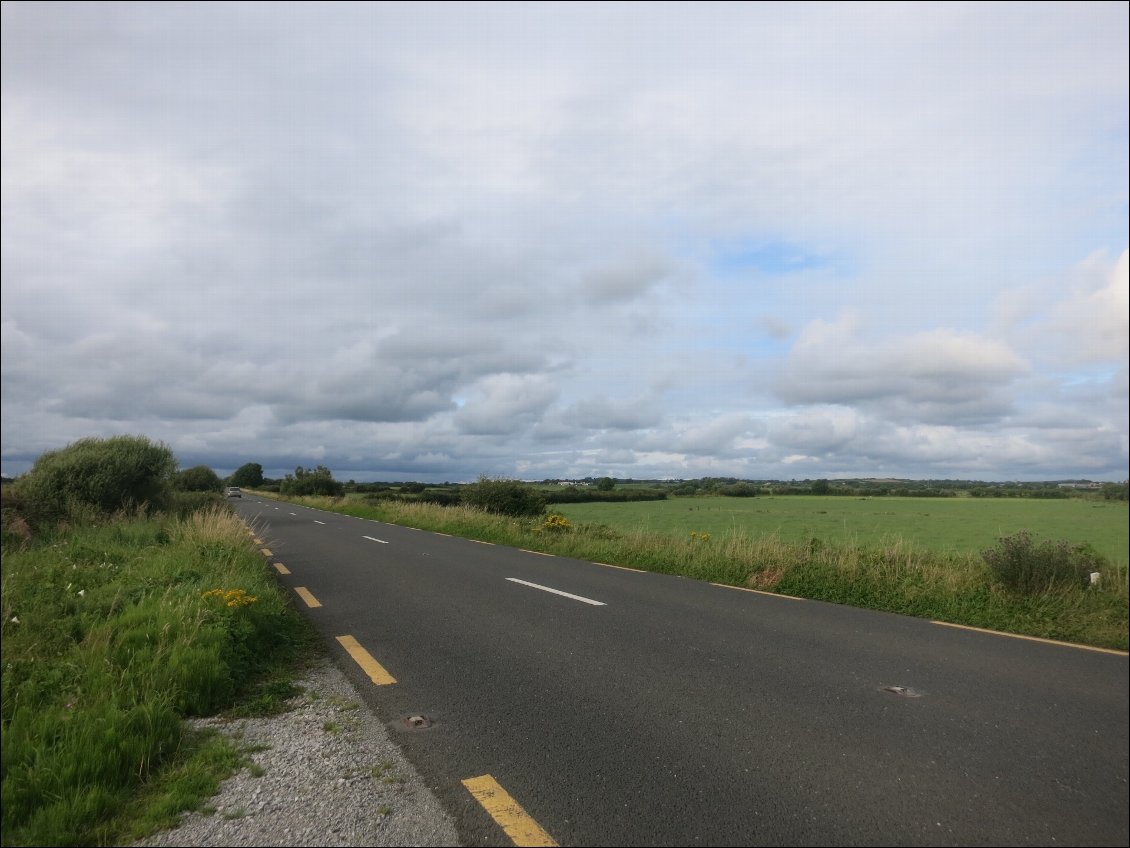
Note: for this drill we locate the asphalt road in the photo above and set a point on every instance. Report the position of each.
(676, 712)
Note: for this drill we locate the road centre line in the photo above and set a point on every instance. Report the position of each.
(558, 592)
(508, 813)
(316, 521)
(373, 539)
(368, 664)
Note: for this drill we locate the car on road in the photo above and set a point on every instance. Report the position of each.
(233, 492)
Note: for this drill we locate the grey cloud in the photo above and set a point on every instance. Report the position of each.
(715, 437)
(624, 281)
(934, 377)
(602, 413)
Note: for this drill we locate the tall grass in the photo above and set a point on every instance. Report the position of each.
(109, 641)
(892, 574)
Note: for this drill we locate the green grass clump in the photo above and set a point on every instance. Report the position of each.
(112, 635)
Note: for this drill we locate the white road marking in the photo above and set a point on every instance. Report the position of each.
(316, 521)
(557, 592)
(371, 539)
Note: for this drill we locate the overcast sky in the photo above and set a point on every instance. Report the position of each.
(416, 241)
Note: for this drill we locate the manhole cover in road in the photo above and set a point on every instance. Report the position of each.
(902, 691)
(417, 722)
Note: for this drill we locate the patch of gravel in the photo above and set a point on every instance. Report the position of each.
(328, 775)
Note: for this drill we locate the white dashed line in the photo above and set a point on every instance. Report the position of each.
(558, 592)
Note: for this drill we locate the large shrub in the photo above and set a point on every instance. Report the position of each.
(199, 478)
(312, 481)
(505, 497)
(121, 472)
(1024, 566)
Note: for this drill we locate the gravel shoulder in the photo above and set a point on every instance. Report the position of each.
(324, 774)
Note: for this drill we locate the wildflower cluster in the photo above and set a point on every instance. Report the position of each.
(556, 523)
(701, 537)
(231, 597)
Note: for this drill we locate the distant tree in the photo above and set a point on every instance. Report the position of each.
(199, 478)
(248, 476)
(315, 481)
(1114, 491)
(605, 484)
(820, 487)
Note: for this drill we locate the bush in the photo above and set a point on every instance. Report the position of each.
(1023, 566)
(107, 475)
(440, 497)
(740, 490)
(575, 494)
(504, 497)
(312, 481)
(555, 523)
(199, 478)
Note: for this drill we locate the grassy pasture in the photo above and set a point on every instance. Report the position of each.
(939, 525)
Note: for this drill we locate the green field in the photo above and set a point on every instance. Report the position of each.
(940, 525)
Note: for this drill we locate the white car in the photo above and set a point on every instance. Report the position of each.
(234, 492)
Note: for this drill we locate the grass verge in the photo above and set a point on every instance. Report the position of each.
(113, 633)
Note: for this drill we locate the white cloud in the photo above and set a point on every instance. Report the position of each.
(1095, 319)
(505, 403)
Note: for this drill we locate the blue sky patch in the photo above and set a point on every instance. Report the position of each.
(767, 256)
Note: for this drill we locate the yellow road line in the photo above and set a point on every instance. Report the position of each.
(281, 569)
(266, 552)
(310, 600)
(363, 658)
(510, 816)
(257, 540)
(760, 592)
(1033, 638)
(622, 567)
